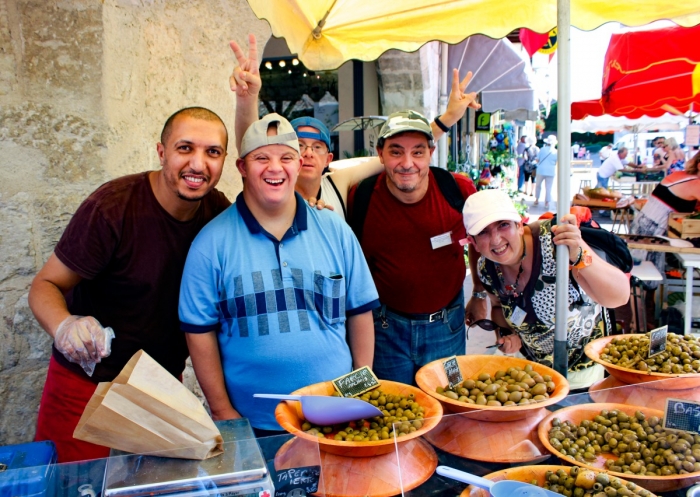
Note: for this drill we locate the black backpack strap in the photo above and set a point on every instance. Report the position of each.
(445, 181)
(360, 204)
(449, 188)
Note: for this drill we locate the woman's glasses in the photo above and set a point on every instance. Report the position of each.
(484, 324)
(487, 325)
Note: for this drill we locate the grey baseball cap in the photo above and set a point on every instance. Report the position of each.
(403, 121)
(256, 135)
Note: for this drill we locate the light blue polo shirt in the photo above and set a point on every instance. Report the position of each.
(279, 307)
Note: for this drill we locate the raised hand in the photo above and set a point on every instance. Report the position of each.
(459, 101)
(245, 78)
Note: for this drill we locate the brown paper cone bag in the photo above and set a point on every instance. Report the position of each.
(147, 410)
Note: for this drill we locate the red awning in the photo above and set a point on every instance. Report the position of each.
(648, 73)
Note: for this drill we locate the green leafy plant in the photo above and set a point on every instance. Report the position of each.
(358, 153)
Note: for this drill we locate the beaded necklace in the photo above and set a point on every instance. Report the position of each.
(510, 290)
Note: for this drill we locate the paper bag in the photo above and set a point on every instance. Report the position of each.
(147, 410)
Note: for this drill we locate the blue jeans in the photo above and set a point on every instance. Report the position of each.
(402, 345)
(521, 176)
(602, 182)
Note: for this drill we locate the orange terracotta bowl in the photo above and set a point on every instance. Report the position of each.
(289, 416)
(432, 375)
(522, 473)
(578, 413)
(630, 376)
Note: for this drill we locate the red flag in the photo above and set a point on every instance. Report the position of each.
(532, 41)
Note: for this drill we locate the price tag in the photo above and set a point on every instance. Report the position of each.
(356, 383)
(454, 375)
(297, 482)
(657, 340)
(683, 415)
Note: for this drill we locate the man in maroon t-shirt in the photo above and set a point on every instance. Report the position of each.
(410, 238)
(119, 263)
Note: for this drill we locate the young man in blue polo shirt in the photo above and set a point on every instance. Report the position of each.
(275, 295)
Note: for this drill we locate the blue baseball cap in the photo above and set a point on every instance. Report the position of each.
(323, 134)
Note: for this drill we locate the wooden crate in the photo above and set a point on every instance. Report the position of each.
(595, 202)
(681, 227)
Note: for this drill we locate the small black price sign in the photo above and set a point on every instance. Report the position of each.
(657, 340)
(297, 482)
(356, 383)
(454, 375)
(683, 415)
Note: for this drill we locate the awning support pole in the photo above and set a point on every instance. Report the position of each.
(561, 363)
(442, 104)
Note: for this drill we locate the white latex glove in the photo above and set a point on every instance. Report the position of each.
(84, 341)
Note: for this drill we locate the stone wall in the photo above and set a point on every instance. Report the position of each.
(410, 80)
(85, 87)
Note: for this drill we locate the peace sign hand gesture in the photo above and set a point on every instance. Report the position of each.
(459, 101)
(245, 79)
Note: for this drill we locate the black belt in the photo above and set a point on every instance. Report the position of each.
(430, 317)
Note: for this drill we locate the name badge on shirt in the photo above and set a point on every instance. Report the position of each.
(441, 240)
(518, 316)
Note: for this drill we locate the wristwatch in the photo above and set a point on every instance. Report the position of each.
(585, 260)
(479, 295)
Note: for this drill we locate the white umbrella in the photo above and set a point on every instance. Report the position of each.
(593, 124)
(360, 123)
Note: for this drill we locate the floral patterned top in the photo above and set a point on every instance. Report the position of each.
(586, 320)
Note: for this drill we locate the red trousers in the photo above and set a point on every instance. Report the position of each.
(62, 404)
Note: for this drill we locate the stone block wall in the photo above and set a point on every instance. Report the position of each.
(410, 80)
(85, 88)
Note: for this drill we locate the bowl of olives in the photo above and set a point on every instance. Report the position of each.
(565, 480)
(408, 413)
(626, 358)
(495, 388)
(626, 441)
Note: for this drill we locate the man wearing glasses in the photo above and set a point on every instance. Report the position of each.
(317, 182)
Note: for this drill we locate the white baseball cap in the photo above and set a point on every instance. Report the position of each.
(486, 207)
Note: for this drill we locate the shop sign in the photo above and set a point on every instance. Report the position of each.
(483, 122)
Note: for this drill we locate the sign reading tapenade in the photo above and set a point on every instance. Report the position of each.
(682, 415)
(356, 383)
(297, 482)
(657, 340)
(454, 375)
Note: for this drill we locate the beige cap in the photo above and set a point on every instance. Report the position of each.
(256, 135)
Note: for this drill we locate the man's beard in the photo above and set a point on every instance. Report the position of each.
(407, 189)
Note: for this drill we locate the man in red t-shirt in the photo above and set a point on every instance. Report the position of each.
(410, 238)
(119, 263)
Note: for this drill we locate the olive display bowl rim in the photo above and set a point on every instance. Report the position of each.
(536, 468)
(429, 423)
(595, 356)
(462, 407)
(543, 433)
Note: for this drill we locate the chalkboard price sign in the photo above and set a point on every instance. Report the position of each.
(356, 383)
(454, 375)
(297, 482)
(682, 415)
(657, 340)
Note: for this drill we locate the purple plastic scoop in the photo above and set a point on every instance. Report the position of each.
(503, 488)
(324, 410)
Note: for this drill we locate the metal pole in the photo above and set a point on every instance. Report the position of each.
(442, 143)
(561, 363)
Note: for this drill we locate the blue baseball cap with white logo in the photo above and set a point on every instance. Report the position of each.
(323, 134)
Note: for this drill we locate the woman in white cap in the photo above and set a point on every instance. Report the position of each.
(518, 269)
(546, 169)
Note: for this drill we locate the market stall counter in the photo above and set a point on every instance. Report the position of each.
(298, 467)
